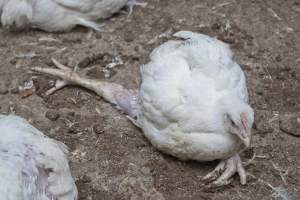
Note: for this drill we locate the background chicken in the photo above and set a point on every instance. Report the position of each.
(58, 15)
(192, 103)
(32, 166)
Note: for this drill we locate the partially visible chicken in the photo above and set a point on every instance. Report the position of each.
(58, 15)
(192, 104)
(32, 166)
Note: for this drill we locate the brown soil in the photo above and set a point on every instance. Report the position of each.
(109, 157)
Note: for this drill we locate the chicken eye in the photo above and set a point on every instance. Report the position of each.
(232, 122)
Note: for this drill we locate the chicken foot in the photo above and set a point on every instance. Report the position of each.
(225, 170)
(125, 100)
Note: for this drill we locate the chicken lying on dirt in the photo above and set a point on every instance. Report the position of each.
(32, 166)
(192, 102)
(59, 15)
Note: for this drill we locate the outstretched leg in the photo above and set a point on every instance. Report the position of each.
(225, 170)
(125, 100)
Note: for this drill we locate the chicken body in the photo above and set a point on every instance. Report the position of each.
(192, 103)
(57, 15)
(181, 98)
(32, 166)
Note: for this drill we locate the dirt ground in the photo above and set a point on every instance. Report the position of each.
(109, 157)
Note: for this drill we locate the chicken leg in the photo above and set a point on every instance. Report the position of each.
(125, 100)
(128, 101)
(225, 170)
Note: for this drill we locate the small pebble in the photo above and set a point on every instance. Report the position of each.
(246, 67)
(248, 153)
(98, 128)
(290, 123)
(262, 123)
(261, 74)
(85, 179)
(216, 26)
(85, 62)
(3, 88)
(129, 37)
(71, 113)
(286, 69)
(49, 63)
(13, 61)
(145, 170)
(52, 115)
(278, 58)
(14, 90)
(259, 91)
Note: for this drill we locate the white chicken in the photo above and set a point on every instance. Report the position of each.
(32, 166)
(58, 15)
(192, 103)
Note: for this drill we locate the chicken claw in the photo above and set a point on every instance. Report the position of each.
(58, 85)
(225, 170)
(63, 72)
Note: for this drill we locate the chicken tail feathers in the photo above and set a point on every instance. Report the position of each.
(132, 3)
(188, 35)
(90, 24)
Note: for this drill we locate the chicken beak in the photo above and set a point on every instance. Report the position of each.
(245, 136)
(245, 131)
